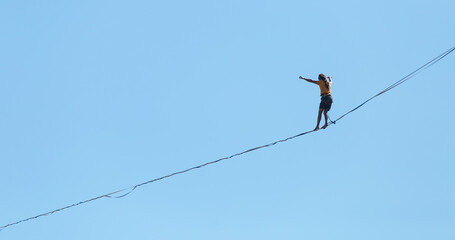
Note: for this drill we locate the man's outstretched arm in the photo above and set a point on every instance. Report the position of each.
(308, 80)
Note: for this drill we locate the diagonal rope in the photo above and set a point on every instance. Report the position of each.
(401, 81)
(131, 189)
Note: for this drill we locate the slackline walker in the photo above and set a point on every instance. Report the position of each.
(325, 107)
(326, 96)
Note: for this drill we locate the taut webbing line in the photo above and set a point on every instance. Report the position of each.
(401, 81)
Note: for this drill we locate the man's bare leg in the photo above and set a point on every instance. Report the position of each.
(326, 117)
(319, 119)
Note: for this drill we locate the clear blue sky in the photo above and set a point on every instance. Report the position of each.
(101, 95)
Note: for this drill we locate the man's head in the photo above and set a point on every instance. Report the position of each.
(322, 77)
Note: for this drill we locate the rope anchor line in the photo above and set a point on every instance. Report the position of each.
(131, 189)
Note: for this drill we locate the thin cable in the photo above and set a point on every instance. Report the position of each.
(399, 82)
(131, 189)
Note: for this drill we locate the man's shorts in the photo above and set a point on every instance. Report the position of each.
(326, 102)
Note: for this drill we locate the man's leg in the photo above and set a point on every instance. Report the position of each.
(319, 118)
(326, 118)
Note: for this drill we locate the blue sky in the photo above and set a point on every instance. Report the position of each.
(97, 96)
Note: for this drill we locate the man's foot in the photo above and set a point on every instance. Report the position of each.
(325, 125)
(317, 127)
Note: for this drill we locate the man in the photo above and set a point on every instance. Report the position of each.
(326, 97)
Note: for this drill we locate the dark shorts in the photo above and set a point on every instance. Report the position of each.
(326, 102)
